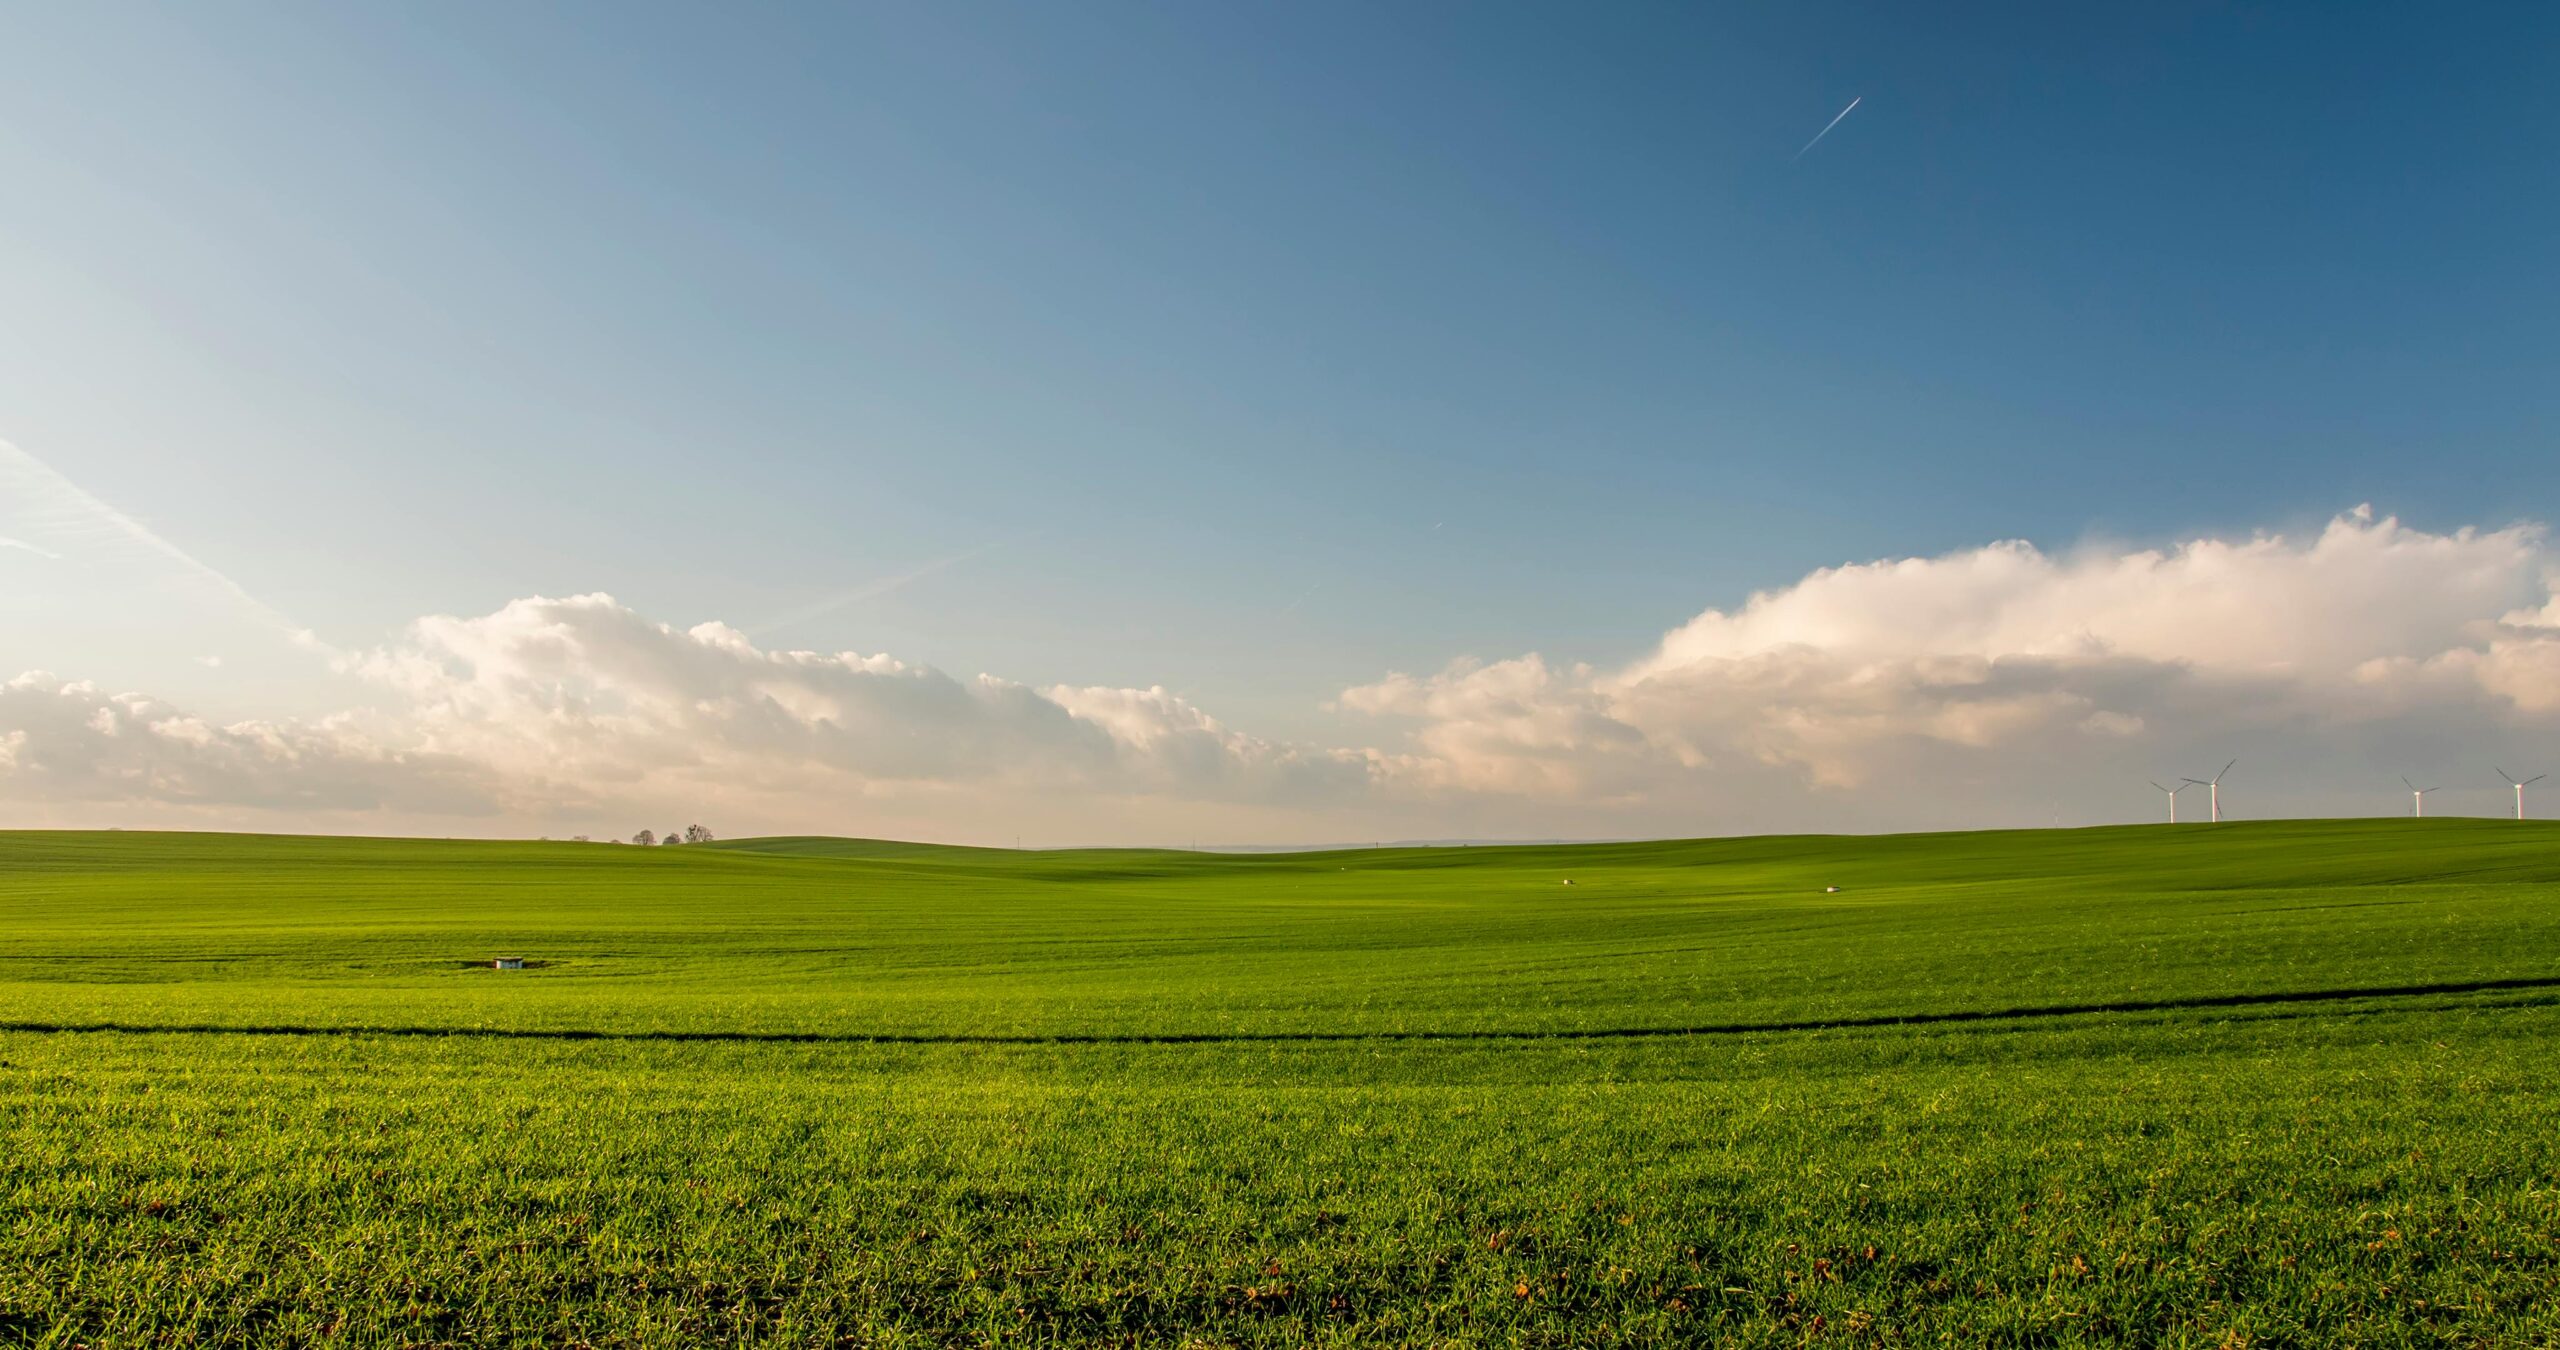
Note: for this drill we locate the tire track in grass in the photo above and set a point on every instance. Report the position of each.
(1877, 1021)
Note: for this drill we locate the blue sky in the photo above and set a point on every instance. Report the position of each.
(1254, 352)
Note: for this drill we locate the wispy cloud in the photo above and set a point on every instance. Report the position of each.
(38, 499)
(869, 590)
(7, 542)
(1827, 126)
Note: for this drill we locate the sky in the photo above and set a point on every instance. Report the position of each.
(1168, 423)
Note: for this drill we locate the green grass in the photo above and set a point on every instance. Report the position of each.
(2281, 1084)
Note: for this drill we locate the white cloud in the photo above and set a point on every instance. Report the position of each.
(1861, 671)
(1984, 684)
(2361, 589)
(1175, 747)
(586, 689)
(1511, 726)
(582, 705)
(64, 741)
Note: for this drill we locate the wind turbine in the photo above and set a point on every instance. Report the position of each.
(2418, 796)
(2214, 785)
(2173, 799)
(2519, 785)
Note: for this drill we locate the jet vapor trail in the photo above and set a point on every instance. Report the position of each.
(869, 590)
(41, 501)
(1826, 129)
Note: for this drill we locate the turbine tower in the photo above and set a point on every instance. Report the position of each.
(2520, 784)
(2173, 799)
(2418, 797)
(2214, 786)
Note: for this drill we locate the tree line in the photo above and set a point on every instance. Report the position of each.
(690, 834)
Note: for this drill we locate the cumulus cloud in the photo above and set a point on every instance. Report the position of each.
(2359, 589)
(1508, 726)
(1173, 746)
(1862, 696)
(1860, 670)
(66, 741)
(587, 689)
(572, 703)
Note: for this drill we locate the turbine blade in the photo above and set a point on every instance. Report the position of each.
(2225, 769)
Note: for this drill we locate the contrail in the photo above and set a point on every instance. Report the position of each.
(1826, 129)
(869, 590)
(60, 510)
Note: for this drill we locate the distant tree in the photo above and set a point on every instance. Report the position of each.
(673, 837)
(695, 834)
(644, 837)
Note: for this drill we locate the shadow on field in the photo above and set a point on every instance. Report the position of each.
(1300, 1037)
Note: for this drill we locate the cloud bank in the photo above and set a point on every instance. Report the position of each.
(1897, 667)
(66, 741)
(586, 691)
(1973, 687)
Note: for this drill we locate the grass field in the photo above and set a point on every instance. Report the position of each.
(2284, 1084)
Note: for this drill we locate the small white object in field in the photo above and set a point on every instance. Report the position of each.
(509, 963)
(1830, 890)
(1568, 881)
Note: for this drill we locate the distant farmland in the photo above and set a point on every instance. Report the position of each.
(2267, 1084)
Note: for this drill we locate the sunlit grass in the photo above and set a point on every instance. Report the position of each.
(2281, 1084)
